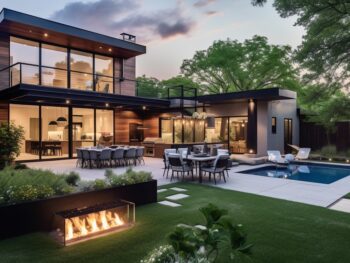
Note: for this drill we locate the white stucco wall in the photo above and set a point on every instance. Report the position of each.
(282, 109)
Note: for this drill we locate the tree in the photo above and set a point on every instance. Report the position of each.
(325, 50)
(233, 66)
(148, 87)
(10, 142)
(181, 81)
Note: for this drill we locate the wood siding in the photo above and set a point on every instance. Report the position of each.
(126, 71)
(4, 60)
(121, 124)
(4, 112)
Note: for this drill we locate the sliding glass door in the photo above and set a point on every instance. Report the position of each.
(83, 128)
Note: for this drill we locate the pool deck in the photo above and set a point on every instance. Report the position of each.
(304, 192)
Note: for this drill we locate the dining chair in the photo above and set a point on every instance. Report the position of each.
(166, 160)
(219, 167)
(118, 156)
(139, 155)
(79, 158)
(105, 157)
(86, 158)
(94, 159)
(179, 166)
(130, 156)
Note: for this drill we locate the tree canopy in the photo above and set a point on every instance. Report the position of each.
(230, 65)
(325, 50)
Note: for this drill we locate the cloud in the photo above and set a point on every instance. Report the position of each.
(202, 3)
(211, 13)
(113, 17)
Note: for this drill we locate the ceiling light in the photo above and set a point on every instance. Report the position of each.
(46, 34)
(53, 123)
(100, 47)
(109, 49)
(67, 101)
(107, 104)
(144, 107)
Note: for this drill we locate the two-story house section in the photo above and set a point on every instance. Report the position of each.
(62, 84)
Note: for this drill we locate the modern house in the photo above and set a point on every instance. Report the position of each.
(69, 87)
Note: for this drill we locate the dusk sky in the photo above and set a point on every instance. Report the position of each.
(172, 30)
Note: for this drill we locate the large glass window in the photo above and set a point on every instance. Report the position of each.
(104, 66)
(199, 130)
(24, 51)
(178, 130)
(81, 70)
(54, 132)
(238, 134)
(104, 127)
(188, 131)
(54, 66)
(220, 133)
(27, 116)
(167, 130)
(83, 128)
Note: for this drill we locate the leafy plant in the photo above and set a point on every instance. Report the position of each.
(99, 184)
(11, 137)
(28, 184)
(129, 177)
(219, 240)
(72, 178)
(329, 151)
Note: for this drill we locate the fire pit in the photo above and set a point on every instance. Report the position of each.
(81, 224)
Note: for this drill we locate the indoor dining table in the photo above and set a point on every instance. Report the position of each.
(198, 160)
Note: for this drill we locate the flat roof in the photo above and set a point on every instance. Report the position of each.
(32, 27)
(262, 94)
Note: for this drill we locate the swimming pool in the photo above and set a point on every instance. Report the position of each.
(316, 173)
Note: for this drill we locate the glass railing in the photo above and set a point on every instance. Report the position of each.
(25, 73)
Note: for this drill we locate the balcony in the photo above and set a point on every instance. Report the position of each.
(25, 73)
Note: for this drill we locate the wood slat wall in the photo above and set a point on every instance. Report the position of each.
(128, 86)
(121, 124)
(4, 112)
(152, 123)
(4, 60)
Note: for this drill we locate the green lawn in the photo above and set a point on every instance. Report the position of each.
(281, 231)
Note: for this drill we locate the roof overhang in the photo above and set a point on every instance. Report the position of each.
(33, 94)
(262, 95)
(32, 27)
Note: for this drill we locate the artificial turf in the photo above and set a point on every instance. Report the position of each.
(281, 231)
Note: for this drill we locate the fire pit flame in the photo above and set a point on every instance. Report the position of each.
(92, 223)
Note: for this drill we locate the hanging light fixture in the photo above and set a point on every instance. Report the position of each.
(53, 123)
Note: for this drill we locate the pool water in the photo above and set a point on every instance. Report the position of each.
(316, 173)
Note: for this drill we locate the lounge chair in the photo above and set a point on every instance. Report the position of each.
(276, 157)
(303, 154)
(246, 159)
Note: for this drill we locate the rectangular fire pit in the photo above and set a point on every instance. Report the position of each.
(81, 224)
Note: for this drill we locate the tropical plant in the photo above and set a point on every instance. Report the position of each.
(230, 65)
(10, 142)
(219, 240)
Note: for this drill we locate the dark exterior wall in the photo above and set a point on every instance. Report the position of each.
(125, 69)
(314, 136)
(4, 112)
(4, 60)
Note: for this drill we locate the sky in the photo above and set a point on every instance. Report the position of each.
(172, 30)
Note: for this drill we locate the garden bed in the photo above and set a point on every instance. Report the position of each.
(33, 216)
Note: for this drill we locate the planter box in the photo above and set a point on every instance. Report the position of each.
(37, 216)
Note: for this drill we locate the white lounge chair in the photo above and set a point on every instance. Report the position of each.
(276, 157)
(303, 154)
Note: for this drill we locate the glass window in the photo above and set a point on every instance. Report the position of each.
(27, 116)
(54, 132)
(24, 51)
(167, 130)
(82, 62)
(82, 128)
(188, 131)
(199, 130)
(55, 57)
(178, 130)
(103, 65)
(220, 133)
(238, 134)
(104, 84)
(104, 127)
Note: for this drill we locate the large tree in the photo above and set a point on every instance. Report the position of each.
(325, 50)
(234, 66)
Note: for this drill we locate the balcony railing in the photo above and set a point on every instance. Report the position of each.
(25, 73)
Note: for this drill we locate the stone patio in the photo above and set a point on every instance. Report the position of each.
(299, 191)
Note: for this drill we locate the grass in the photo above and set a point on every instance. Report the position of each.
(281, 231)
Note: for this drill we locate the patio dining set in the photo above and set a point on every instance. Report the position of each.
(182, 161)
(97, 157)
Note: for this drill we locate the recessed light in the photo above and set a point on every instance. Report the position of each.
(109, 49)
(46, 34)
(144, 107)
(100, 47)
(30, 31)
(107, 104)
(67, 101)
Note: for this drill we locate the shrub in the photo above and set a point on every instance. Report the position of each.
(72, 178)
(99, 184)
(20, 166)
(28, 184)
(11, 137)
(129, 177)
(85, 186)
(329, 151)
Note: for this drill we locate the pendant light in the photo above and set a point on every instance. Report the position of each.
(53, 123)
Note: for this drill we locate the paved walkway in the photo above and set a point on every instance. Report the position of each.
(304, 192)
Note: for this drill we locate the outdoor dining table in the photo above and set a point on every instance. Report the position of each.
(198, 160)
